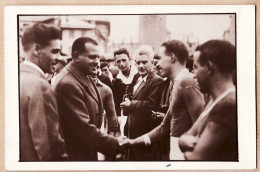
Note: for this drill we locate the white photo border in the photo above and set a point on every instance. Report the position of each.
(246, 86)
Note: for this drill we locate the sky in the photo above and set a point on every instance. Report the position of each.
(203, 27)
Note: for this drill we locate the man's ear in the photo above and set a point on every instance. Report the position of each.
(173, 58)
(76, 59)
(211, 68)
(75, 55)
(36, 49)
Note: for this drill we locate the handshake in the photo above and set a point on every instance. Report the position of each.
(124, 141)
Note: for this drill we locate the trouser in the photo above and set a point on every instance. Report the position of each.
(175, 151)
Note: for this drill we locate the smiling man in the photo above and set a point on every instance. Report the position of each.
(39, 122)
(80, 105)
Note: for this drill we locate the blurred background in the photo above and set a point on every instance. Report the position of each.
(130, 31)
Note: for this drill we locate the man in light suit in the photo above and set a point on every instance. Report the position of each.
(146, 97)
(80, 105)
(40, 139)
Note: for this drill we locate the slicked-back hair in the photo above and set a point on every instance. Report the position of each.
(145, 50)
(156, 56)
(40, 33)
(219, 52)
(103, 64)
(78, 45)
(178, 49)
(121, 51)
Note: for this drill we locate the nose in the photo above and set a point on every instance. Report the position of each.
(141, 65)
(120, 63)
(157, 65)
(96, 60)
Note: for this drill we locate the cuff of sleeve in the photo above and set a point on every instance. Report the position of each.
(132, 103)
(147, 140)
(113, 128)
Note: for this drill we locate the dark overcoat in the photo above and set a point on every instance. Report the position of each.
(145, 99)
(81, 112)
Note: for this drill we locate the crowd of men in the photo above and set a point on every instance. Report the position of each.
(151, 107)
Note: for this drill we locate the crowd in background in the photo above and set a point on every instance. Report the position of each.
(149, 106)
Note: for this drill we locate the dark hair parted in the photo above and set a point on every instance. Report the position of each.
(40, 33)
(103, 64)
(178, 49)
(219, 52)
(156, 56)
(121, 51)
(78, 45)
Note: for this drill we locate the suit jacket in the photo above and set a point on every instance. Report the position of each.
(109, 106)
(145, 99)
(105, 79)
(118, 90)
(40, 139)
(81, 115)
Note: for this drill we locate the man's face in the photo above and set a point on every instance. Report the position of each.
(122, 62)
(201, 73)
(105, 70)
(143, 64)
(164, 62)
(88, 61)
(47, 56)
(96, 71)
(156, 67)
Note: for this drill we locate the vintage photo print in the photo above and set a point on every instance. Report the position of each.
(130, 87)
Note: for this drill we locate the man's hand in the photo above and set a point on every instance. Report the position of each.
(157, 115)
(122, 140)
(187, 142)
(128, 142)
(125, 104)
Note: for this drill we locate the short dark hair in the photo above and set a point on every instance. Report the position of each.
(78, 45)
(221, 53)
(178, 49)
(40, 33)
(189, 64)
(121, 51)
(156, 56)
(103, 64)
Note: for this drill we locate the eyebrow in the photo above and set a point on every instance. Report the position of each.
(55, 50)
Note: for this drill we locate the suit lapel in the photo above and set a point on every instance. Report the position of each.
(84, 80)
(143, 84)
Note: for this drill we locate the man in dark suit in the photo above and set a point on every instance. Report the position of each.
(146, 97)
(40, 139)
(81, 106)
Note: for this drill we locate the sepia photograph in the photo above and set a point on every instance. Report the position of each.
(132, 90)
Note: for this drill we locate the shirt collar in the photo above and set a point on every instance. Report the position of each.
(99, 83)
(128, 80)
(140, 79)
(28, 63)
(144, 78)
